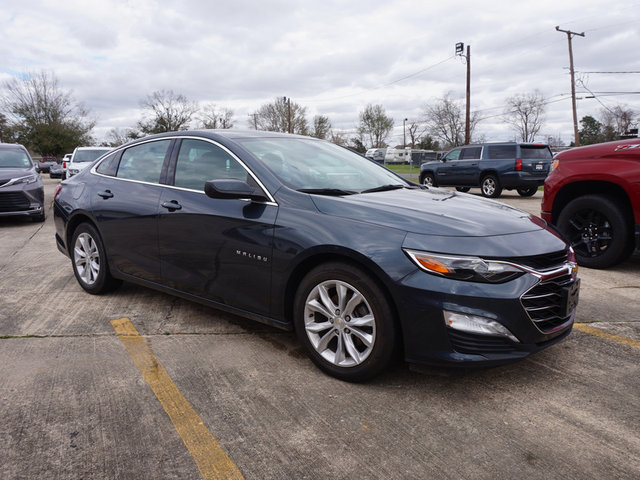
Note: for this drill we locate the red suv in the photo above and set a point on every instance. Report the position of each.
(593, 197)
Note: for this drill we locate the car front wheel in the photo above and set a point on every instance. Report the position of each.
(598, 229)
(344, 322)
(89, 261)
(428, 180)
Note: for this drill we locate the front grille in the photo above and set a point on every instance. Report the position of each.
(544, 303)
(13, 202)
(464, 342)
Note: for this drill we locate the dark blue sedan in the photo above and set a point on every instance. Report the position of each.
(301, 234)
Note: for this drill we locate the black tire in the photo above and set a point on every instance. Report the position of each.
(598, 229)
(428, 180)
(89, 261)
(527, 191)
(352, 343)
(463, 189)
(490, 186)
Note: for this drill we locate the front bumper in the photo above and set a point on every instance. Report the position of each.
(20, 201)
(537, 311)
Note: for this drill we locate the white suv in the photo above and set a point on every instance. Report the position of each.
(82, 157)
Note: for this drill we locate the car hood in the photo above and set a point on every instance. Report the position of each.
(9, 173)
(432, 212)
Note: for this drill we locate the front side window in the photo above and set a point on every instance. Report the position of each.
(143, 162)
(200, 161)
(453, 155)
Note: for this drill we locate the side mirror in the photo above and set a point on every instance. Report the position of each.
(230, 189)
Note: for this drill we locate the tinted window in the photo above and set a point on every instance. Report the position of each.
(501, 152)
(144, 162)
(109, 165)
(536, 152)
(471, 153)
(200, 161)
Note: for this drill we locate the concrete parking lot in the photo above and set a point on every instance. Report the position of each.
(137, 384)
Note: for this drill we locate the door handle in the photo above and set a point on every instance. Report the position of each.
(106, 194)
(172, 205)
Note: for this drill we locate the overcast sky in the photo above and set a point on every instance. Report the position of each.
(332, 57)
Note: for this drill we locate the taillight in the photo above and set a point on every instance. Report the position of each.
(58, 188)
(518, 164)
(64, 164)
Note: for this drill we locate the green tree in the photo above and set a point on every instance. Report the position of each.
(375, 126)
(44, 117)
(166, 111)
(282, 115)
(591, 131)
(428, 143)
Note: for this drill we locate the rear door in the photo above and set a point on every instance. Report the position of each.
(125, 207)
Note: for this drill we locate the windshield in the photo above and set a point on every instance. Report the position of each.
(314, 165)
(82, 156)
(14, 159)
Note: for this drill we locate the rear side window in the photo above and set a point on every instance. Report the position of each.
(536, 152)
(144, 162)
(200, 161)
(109, 165)
(471, 153)
(501, 152)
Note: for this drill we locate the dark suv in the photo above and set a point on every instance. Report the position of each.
(492, 167)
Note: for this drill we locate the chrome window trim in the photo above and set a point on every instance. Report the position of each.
(271, 200)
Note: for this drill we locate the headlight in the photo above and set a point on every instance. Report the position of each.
(22, 180)
(555, 164)
(471, 269)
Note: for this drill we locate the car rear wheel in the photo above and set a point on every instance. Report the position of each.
(428, 180)
(490, 186)
(598, 229)
(344, 322)
(90, 262)
(527, 191)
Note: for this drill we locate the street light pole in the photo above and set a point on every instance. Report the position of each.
(467, 120)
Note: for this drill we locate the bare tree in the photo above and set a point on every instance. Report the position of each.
(120, 136)
(321, 126)
(375, 126)
(167, 112)
(214, 117)
(282, 115)
(41, 115)
(445, 121)
(619, 119)
(415, 130)
(525, 113)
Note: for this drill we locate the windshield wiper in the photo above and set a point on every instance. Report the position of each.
(384, 188)
(327, 191)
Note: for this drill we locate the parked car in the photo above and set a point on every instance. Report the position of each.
(302, 234)
(45, 163)
(56, 171)
(82, 157)
(593, 196)
(21, 190)
(492, 167)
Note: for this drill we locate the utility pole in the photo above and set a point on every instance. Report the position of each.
(287, 103)
(576, 134)
(404, 133)
(467, 119)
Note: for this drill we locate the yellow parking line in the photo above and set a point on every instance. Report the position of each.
(609, 336)
(211, 459)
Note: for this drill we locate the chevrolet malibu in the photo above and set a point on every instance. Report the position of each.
(304, 235)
